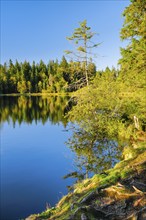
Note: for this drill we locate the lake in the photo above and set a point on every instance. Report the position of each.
(34, 157)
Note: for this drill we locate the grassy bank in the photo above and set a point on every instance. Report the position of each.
(119, 193)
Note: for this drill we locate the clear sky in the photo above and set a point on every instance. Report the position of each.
(35, 30)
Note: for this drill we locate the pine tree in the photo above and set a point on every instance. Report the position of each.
(134, 31)
(82, 38)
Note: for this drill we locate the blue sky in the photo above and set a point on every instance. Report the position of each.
(35, 30)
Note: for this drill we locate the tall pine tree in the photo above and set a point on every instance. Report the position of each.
(82, 39)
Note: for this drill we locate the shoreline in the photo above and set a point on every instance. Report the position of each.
(99, 197)
(37, 94)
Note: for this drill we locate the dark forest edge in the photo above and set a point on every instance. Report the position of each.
(53, 77)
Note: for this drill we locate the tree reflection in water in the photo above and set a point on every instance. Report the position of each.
(34, 108)
(92, 155)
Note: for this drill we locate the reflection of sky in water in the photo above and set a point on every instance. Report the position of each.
(34, 159)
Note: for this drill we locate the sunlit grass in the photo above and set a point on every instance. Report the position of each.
(126, 168)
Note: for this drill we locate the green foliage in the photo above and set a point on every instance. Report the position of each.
(41, 78)
(111, 110)
(100, 187)
(107, 108)
(21, 87)
(81, 37)
(134, 56)
(134, 24)
(113, 107)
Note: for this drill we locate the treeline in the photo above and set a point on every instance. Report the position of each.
(40, 77)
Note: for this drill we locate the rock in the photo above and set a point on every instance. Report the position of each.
(97, 212)
(77, 212)
(139, 185)
(102, 187)
(83, 217)
(88, 198)
(72, 207)
(142, 214)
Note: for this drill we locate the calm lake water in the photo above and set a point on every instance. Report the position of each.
(34, 157)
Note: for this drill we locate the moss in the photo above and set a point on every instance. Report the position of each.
(63, 211)
(97, 201)
(84, 195)
(111, 179)
(46, 214)
(133, 150)
(126, 173)
(65, 199)
(70, 205)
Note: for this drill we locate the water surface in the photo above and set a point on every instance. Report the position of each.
(34, 157)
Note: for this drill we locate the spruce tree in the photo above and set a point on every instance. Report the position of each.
(81, 37)
(134, 31)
